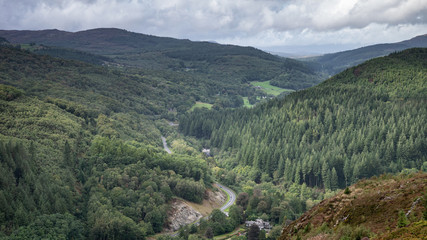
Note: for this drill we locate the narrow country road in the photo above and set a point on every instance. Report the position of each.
(165, 145)
(232, 199)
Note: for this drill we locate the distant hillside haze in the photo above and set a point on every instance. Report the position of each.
(102, 40)
(336, 62)
(107, 41)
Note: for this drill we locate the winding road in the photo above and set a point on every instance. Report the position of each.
(165, 145)
(230, 201)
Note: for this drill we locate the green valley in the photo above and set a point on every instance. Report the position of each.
(83, 115)
(286, 155)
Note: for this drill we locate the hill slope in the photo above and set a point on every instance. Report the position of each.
(365, 121)
(78, 151)
(219, 63)
(370, 209)
(336, 62)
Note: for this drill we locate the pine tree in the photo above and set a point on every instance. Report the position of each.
(281, 167)
(403, 220)
(347, 171)
(334, 179)
(67, 154)
(288, 170)
(297, 178)
(253, 233)
(325, 175)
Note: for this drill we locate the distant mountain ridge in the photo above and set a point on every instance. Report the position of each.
(112, 41)
(336, 62)
(225, 63)
(101, 40)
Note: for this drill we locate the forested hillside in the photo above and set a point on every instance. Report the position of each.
(287, 155)
(334, 63)
(79, 155)
(368, 120)
(80, 139)
(226, 69)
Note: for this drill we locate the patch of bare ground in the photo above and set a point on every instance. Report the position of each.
(213, 199)
(183, 212)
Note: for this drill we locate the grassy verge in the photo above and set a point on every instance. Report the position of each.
(270, 89)
(240, 229)
(228, 199)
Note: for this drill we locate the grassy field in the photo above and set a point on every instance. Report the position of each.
(201, 105)
(246, 102)
(269, 89)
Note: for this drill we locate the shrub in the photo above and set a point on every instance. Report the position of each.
(403, 220)
(347, 191)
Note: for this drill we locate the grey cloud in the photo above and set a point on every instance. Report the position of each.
(229, 20)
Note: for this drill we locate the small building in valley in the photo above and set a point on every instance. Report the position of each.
(262, 225)
(207, 152)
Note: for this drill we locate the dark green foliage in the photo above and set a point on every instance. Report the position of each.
(294, 79)
(274, 233)
(357, 233)
(184, 232)
(236, 215)
(253, 232)
(9, 93)
(337, 62)
(334, 179)
(73, 55)
(26, 190)
(425, 206)
(190, 190)
(219, 223)
(347, 190)
(55, 226)
(242, 200)
(3, 41)
(262, 235)
(209, 233)
(402, 221)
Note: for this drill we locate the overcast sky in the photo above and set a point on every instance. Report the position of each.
(280, 25)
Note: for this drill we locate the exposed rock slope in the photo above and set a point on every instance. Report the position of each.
(181, 214)
(184, 212)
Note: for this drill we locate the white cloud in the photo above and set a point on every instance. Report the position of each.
(246, 22)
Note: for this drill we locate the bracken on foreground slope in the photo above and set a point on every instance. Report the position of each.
(385, 207)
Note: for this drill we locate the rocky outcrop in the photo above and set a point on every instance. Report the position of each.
(181, 214)
(216, 198)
